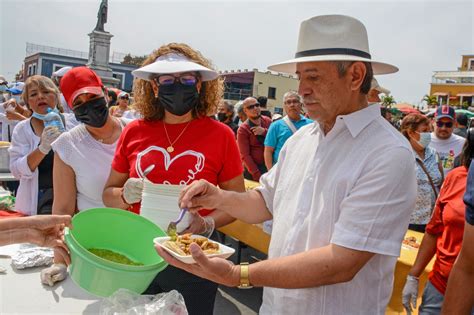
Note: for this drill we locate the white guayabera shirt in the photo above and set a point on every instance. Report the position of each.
(354, 187)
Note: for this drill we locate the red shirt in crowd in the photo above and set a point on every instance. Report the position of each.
(206, 150)
(447, 223)
(251, 147)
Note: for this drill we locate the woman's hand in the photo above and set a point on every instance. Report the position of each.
(48, 136)
(201, 225)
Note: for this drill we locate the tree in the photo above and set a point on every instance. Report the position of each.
(133, 60)
(430, 100)
(388, 100)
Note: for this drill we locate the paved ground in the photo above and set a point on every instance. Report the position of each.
(233, 301)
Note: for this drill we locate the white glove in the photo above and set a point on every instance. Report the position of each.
(48, 136)
(209, 226)
(132, 190)
(54, 273)
(410, 294)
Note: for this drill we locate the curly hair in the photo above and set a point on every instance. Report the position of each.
(209, 96)
(411, 122)
(43, 83)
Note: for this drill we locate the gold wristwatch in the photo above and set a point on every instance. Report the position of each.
(244, 276)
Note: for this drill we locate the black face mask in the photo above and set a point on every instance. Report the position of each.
(222, 117)
(178, 98)
(93, 113)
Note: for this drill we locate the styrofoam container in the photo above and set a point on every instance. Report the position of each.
(225, 251)
(160, 205)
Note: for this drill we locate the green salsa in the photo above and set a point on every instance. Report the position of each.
(113, 256)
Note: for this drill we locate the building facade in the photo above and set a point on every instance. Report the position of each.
(44, 60)
(240, 84)
(455, 88)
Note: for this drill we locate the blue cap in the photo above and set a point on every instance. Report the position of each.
(445, 111)
(16, 88)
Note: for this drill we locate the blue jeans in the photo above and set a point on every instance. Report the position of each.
(432, 301)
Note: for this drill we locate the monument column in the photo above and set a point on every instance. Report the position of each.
(99, 49)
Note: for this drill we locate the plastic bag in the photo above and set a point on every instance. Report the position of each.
(126, 302)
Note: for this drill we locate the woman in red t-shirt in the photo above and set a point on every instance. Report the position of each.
(175, 92)
(443, 237)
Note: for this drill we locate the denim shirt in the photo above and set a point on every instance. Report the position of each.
(425, 199)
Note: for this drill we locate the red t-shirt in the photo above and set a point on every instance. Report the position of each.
(447, 223)
(206, 150)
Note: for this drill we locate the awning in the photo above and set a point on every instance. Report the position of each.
(440, 94)
(465, 94)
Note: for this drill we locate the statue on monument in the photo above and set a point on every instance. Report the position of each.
(101, 16)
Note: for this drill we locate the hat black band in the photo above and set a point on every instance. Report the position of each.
(333, 51)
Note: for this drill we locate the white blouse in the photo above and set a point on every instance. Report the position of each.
(24, 141)
(90, 160)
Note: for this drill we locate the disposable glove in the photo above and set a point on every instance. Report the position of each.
(48, 136)
(53, 274)
(410, 294)
(132, 190)
(201, 225)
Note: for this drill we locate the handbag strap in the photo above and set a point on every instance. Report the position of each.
(289, 123)
(429, 177)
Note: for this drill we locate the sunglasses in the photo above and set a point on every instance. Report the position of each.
(440, 124)
(167, 79)
(253, 106)
(124, 98)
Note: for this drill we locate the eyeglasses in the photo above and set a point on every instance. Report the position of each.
(253, 106)
(448, 124)
(124, 98)
(167, 79)
(292, 102)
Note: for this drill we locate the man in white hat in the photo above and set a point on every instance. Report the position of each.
(375, 90)
(56, 77)
(340, 195)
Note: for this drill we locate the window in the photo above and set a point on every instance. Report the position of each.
(121, 77)
(471, 65)
(278, 110)
(34, 69)
(272, 93)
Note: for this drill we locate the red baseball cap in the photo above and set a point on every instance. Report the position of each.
(80, 80)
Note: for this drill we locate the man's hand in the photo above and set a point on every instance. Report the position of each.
(53, 274)
(216, 269)
(132, 190)
(410, 294)
(258, 130)
(200, 195)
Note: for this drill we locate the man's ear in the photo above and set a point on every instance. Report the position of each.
(357, 72)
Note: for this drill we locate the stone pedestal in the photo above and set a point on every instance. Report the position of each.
(99, 52)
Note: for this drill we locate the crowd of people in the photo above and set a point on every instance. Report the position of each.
(339, 183)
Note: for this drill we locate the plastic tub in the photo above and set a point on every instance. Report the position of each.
(122, 232)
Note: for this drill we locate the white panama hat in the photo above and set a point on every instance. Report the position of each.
(376, 86)
(61, 72)
(173, 63)
(332, 38)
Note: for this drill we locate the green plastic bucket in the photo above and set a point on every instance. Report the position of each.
(122, 232)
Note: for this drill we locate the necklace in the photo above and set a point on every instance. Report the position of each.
(101, 140)
(170, 148)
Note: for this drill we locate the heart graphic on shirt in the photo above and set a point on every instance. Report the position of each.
(167, 160)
